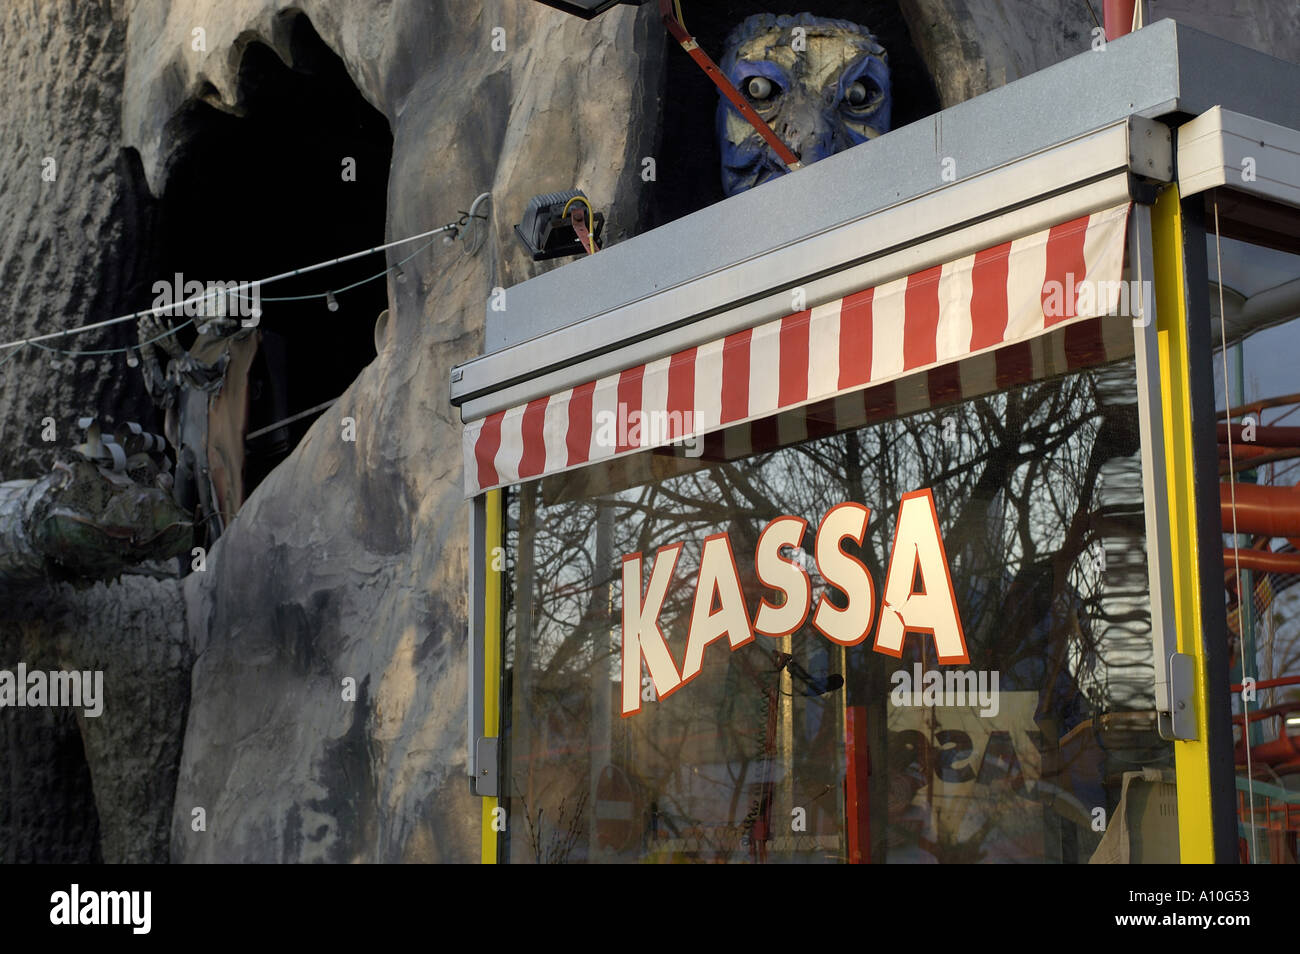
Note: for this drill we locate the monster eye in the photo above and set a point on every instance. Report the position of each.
(760, 88)
(862, 94)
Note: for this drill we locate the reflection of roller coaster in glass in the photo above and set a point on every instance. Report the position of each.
(1266, 731)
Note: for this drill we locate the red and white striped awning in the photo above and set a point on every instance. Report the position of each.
(1004, 295)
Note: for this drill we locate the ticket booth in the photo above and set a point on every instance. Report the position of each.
(875, 515)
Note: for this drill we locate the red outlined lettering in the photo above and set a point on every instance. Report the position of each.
(848, 626)
(718, 576)
(918, 595)
(931, 610)
(777, 573)
(642, 637)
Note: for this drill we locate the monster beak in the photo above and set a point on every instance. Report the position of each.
(809, 135)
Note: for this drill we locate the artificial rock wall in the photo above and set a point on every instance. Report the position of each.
(349, 560)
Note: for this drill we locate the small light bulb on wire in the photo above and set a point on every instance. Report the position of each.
(399, 276)
(331, 302)
(132, 359)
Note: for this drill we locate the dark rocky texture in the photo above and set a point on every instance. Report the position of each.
(348, 561)
(973, 46)
(134, 632)
(69, 249)
(68, 253)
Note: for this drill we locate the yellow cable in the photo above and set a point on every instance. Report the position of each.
(578, 198)
(591, 217)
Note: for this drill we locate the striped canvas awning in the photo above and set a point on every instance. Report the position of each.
(1001, 296)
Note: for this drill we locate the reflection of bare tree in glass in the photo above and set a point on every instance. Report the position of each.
(558, 846)
(1030, 485)
(1014, 478)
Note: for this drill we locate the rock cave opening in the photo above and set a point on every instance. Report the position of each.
(298, 176)
(689, 173)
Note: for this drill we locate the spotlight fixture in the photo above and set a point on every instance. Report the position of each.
(547, 230)
(331, 302)
(587, 9)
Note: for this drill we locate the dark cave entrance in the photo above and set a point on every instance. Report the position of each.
(264, 192)
(689, 173)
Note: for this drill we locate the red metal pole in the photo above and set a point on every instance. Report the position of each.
(1119, 17)
(1260, 509)
(857, 785)
(1261, 561)
(725, 85)
(1270, 683)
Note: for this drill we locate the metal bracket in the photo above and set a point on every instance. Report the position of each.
(1179, 723)
(1155, 499)
(485, 757)
(1143, 191)
(1150, 149)
(474, 644)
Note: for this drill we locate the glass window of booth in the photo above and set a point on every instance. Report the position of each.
(1040, 745)
(1255, 310)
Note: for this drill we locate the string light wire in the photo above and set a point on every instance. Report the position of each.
(77, 354)
(338, 291)
(14, 347)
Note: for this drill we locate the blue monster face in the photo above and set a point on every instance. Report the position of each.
(822, 85)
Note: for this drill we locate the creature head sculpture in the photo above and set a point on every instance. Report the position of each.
(822, 85)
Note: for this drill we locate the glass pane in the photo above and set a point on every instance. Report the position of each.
(1259, 463)
(798, 748)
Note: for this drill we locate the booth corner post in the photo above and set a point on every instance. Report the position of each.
(484, 674)
(1207, 821)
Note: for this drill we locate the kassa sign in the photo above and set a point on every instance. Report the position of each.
(918, 594)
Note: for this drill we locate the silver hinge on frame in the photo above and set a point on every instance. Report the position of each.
(1178, 724)
(486, 783)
